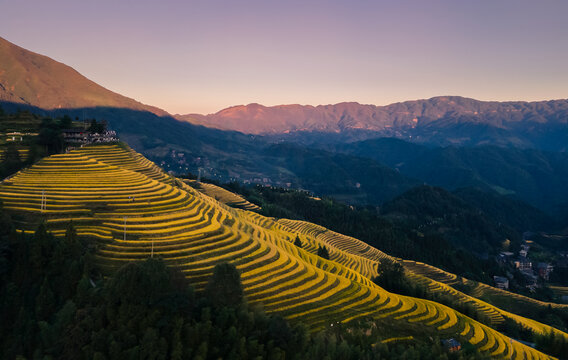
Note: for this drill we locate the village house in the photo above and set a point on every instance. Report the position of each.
(524, 250)
(523, 264)
(523, 253)
(501, 282)
(525, 247)
(531, 279)
(452, 345)
(544, 269)
(81, 136)
(504, 257)
(75, 135)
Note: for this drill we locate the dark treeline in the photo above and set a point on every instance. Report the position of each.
(54, 303)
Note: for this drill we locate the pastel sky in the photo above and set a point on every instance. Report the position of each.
(203, 56)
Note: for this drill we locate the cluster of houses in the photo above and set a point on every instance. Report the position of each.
(17, 136)
(91, 132)
(83, 137)
(531, 272)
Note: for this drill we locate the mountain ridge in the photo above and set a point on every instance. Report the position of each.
(439, 111)
(508, 170)
(34, 79)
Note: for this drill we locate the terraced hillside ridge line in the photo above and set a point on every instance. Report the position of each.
(436, 280)
(440, 279)
(134, 211)
(560, 290)
(480, 289)
(356, 252)
(129, 160)
(223, 195)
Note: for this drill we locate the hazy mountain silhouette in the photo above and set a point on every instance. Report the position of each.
(439, 111)
(445, 120)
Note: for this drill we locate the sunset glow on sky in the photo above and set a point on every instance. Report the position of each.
(203, 56)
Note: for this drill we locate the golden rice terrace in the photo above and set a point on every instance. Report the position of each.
(132, 210)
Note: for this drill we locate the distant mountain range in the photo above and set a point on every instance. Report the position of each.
(445, 120)
(435, 112)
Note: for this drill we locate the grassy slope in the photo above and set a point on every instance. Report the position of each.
(133, 210)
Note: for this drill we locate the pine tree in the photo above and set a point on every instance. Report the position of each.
(323, 253)
(72, 243)
(177, 346)
(225, 288)
(83, 291)
(12, 161)
(202, 351)
(149, 348)
(41, 248)
(45, 301)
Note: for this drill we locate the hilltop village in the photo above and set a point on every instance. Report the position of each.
(25, 137)
(535, 275)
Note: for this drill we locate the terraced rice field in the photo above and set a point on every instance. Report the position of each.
(133, 211)
(442, 281)
(224, 196)
(350, 250)
(479, 289)
(560, 290)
